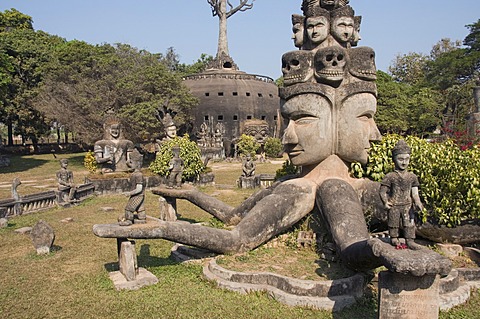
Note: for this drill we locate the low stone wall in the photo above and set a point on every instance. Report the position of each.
(107, 186)
(40, 201)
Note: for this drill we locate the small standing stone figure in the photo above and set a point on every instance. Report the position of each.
(65, 180)
(248, 169)
(176, 169)
(397, 191)
(135, 203)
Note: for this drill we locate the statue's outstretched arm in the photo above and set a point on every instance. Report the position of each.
(272, 215)
(224, 212)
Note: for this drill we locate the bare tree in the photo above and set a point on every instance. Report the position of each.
(219, 9)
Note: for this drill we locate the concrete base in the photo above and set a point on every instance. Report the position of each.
(408, 297)
(143, 278)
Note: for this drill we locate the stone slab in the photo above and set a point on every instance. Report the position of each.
(408, 297)
(143, 278)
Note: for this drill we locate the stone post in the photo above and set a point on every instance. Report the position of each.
(408, 297)
(128, 260)
(168, 208)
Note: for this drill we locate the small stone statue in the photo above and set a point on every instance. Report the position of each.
(397, 191)
(137, 195)
(248, 169)
(65, 180)
(176, 169)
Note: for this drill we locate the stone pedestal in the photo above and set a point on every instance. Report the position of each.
(408, 297)
(130, 275)
(246, 182)
(168, 208)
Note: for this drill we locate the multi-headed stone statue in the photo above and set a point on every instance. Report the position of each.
(328, 103)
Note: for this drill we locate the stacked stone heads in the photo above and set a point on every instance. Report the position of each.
(328, 64)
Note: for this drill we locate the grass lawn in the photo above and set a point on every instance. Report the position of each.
(73, 282)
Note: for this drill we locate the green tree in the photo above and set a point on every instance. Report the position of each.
(24, 54)
(85, 81)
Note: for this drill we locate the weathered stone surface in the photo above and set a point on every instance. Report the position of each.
(23, 230)
(3, 222)
(128, 260)
(408, 297)
(449, 250)
(42, 235)
(415, 262)
(466, 233)
(168, 208)
(333, 295)
(473, 254)
(67, 220)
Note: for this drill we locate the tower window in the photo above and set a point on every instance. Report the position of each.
(206, 117)
(220, 93)
(263, 117)
(235, 117)
(235, 93)
(247, 94)
(207, 94)
(249, 117)
(270, 95)
(260, 95)
(220, 117)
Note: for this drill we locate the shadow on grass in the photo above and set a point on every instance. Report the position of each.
(76, 160)
(145, 260)
(21, 164)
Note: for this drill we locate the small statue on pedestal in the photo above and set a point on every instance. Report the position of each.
(397, 191)
(137, 195)
(65, 180)
(176, 169)
(248, 169)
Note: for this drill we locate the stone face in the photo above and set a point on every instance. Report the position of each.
(408, 297)
(42, 235)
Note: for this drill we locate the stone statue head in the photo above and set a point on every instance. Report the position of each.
(298, 30)
(64, 163)
(343, 24)
(401, 155)
(356, 31)
(362, 63)
(330, 65)
(297, 67)
(308, 138)
(259, 129)
(317, 25)
(356, 127)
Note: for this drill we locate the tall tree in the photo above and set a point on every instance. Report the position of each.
(219, 9)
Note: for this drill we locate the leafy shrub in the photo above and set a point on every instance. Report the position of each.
(273, 147)
(90, 162)
(449, 177)
(189, 152)
(287, 169)
(247, 145)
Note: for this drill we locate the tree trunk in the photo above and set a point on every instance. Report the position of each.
(10, 133)
(222, 28)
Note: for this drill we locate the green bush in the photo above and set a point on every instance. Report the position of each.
(273, 147)
(247, 145)
(90, 162)
(449, 177)
(287, 169)
(189, 152)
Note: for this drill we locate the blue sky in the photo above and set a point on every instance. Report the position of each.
(257, 38)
